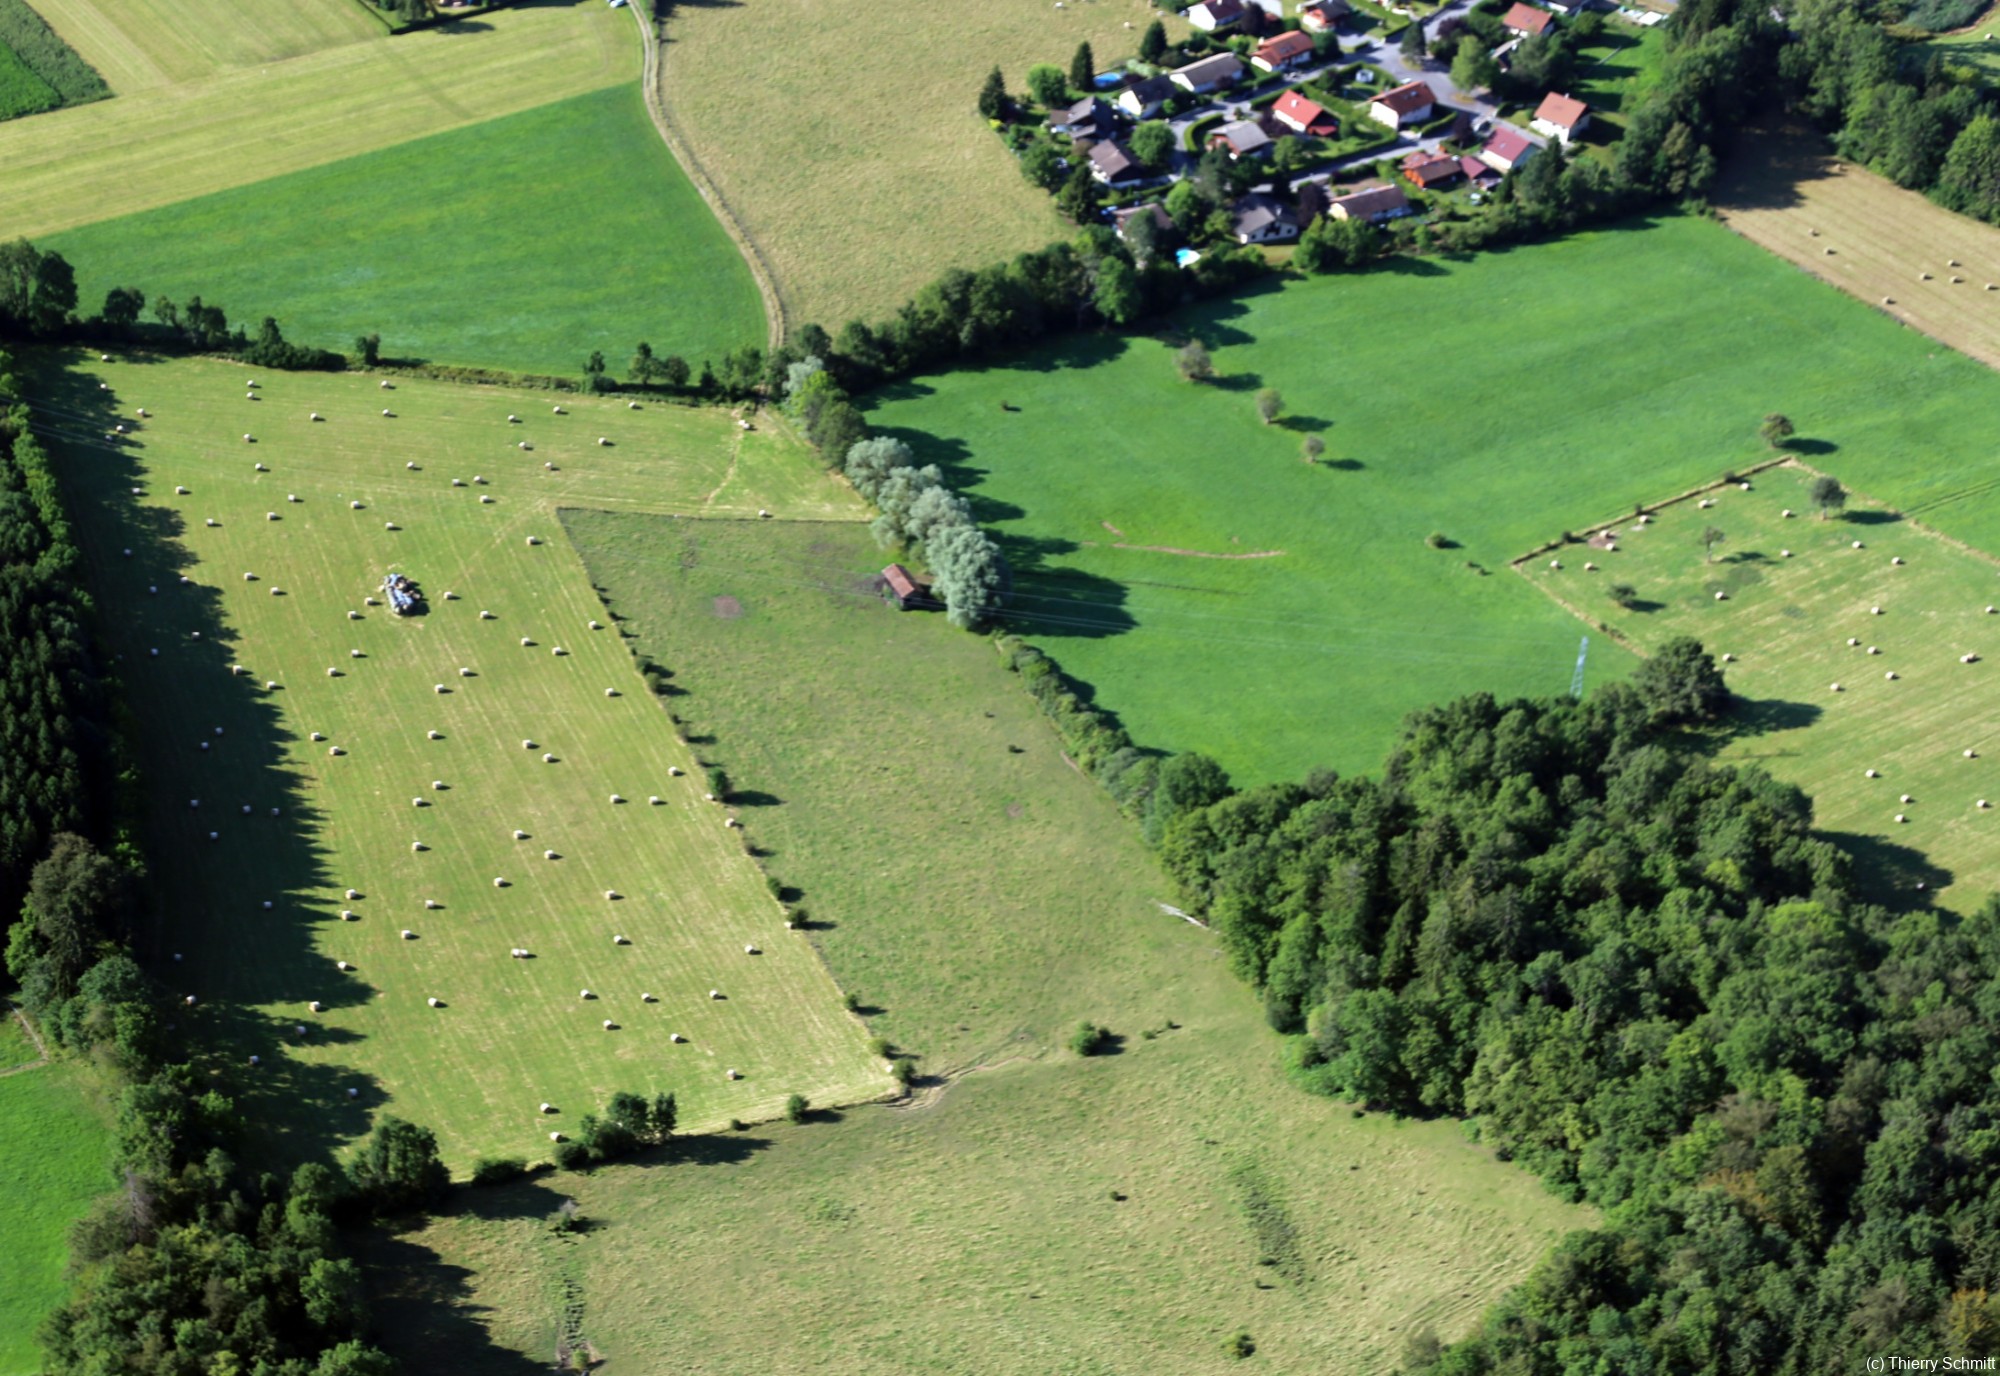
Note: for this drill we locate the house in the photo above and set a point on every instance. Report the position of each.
(1478, 173)
(1282, 51)
(1561, 117)
(1303, 116)
(1321, 16)
(1209, 74)
(1507, 149)
(1122, 218)
(1213, 16)
(1526, 20)
(1371, 203)
(1409, 103)
(905, 590)
(1112, 164)
(1243, 139)
(1085, 121)
(1426, 170)
(1261, 219)
(1143, 99)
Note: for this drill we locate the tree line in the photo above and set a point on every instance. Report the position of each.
(1642, 976)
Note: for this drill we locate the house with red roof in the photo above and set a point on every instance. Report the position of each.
(1410, 103)
(1526, 19)
(1282, 51)
(1428, 170)
(1303, 116)
(1561, 117)
(1507, 149)
(1322, 15)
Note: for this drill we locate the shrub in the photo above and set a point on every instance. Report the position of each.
(1089, 1039)
(795, 1108)
(572, 1156)
(878, 1047)
(1437, 539)
(718, 783)
(903, 1070)
(1239, 1344)
(498, 1170)
(1624, 594)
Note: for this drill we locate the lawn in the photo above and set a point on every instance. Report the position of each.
(1028, 1212)
(141, 45)
(168, 143)
(1221, 595)
(250, 900)
(560, 230)
(846, 141)
(1796, 590)
(54, 1156)
(1973, 46)
(1867, 236)
(1614, 73)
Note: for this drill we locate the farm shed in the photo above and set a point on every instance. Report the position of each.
(904, 589)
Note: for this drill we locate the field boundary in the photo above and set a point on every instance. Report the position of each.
(652, 87)
(42, 1051)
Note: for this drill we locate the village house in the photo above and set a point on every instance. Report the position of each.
(1526, 20)
(1507, 149)
(1143, 99)
(1560, 117)
(1122, 218)
(1087, 120)
(1410, 103)
(1428, 170)
(1209, 74)
(1243, 139)
(1371, 203)
(1478, 173)
(1214, 16)
(1283, 51)
(1303, 116)
(1261, 219)
(1323, 15)
(1112, 164)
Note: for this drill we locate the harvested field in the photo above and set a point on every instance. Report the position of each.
(141, 45)
(1867, 236)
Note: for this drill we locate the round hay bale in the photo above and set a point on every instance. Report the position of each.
(751, 951)
(558, 650)
(1874, 650)
(602, 440)
(534, 540)
(1729, 659)
(520, 835)
(437, 1003)
(430, 904)
(611, 895)
(557, 409)
(1896, 561)
(1906, 798)
(354, 506)
(1555, 563)
(1836, 687)
(439, 688)
(313, 1007)
(409, 935)
(676, 1038)
(548, 759)
(548, 855)
(180, 491)
(1900, 818)
(1890, 675)
(485, 616)
(1784, 554)
(1870, 774)
(652, 800)
(434, 735)
(1971, 754)
(731, 1073)
(620, 941)
(674, 771)
(418, 846)
(347, 915)
(464, 673)
(615, 798)
(353, 615)
(526, 642)
(585, 994)
(485, 500)
(354, 893)
(1874, 611)
(342, 965)
(499, 882)
(1721, 596)
(715, 993)
(555, 1137)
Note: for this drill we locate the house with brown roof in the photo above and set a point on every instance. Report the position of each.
(1507, 149)
(1427, 170)
(1282, 51)
(1143, 99)
(1112, 164)
(1526, 19)
(1560, 117)
(904, 590)
(1261, 219)
(1209, 74)
(1088, 119)
(1371, 203)
(1122, 218)
(1245, 138)
(1303, 116)
(1478, 173)
(1410, 103)
(1322, 15)
(1213, 16)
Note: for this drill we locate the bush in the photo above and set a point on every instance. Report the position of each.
(795, 1108)
(718, 783)
(1089, 1039)
(1240, 1344)
(397, 1169)
(1624, 594)
(572, 1156)
(498, 1170)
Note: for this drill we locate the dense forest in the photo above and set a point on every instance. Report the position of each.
(1640, 975)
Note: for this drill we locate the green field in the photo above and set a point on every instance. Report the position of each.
(53, 1155)
(254, 914)
(21, 91)
(556, 231)
(981, 897)
(1495, 401)
(1787, 619)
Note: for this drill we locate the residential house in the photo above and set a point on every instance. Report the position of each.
(1478, 173)
(1526, 20)
(1428, 170)
(1410, 103)
(1214, 16)
(1122, 218)
(1303, 116)
(1282, 52)
(1560, 117)
(1261, 219)
(1086, 121)
(1321, 16)
(1371, 203)
(1243, 139)
(1507, 149)
(1112, 164)
(1143, 99)
(1209, 74)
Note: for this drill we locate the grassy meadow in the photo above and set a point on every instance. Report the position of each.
(54, 1150)
(561, 229)
(1222, 595)
(845, 138)
(1796, 591)
(143, 45)
(1026, 1211)
(258, 828)
(171, 142)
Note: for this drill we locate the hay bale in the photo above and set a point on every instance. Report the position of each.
(1555, 563)
(611, 895)
(549, 855)
(548, 758)
(602, 440)
(1721, 596)
(485, 616)
(499, 882)
(630, 405)
(534, 540)
(616, 799)
(347, 915)
(1729, 659)
(1874, 611)
(1906, 798)
(430, 903)
(1784, 554)
(485, 500)
(1983, 805)
(751, 951)
(585, 994)
(555, 1137)
(653, 800)
(464, 673)
(409, 935)
(557, 409)
(715, 993)
(180, 491)
(1857, 545)
(520, 835)
(526, 642)
(354, 893)
(620, 941)
(1870, 774)
(734, 1075)
(353, 1093)
(1897, 561)
(439, 688)
(353, 615)
(418, 846)
(437, 1003)
(1836, 687)
(354, 506)
(674, 771)
(342, 965)
(558, 650)
(1971, 754)
(1874, 650)
(419, 802)
(313, 1007)
(676, 1038)
(1900, 818)
(1890, 675)
(435, 735)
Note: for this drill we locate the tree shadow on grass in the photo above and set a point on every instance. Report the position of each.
(1888, 873)
(1869, 516)
(1811, 448)
(1304, 425)
(424, 1310)
(1762, 716)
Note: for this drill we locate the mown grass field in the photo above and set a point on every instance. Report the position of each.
(981, 897)
(54, 1157)
(1867, 236)
(560, 230)
(1973, 46)
(168, 143)
(141, 45)
(1787, 619)
(512, 1033)
(1495, 401)
(847, 142)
